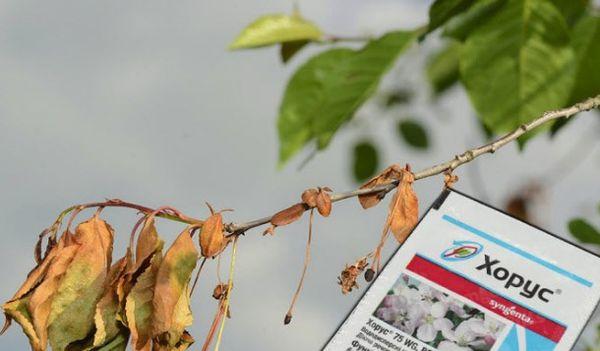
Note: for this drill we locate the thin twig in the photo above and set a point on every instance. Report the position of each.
(452, 164)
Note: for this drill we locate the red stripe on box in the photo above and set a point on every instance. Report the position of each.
(482, 296)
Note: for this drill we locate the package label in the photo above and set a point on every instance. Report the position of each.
(470, 277)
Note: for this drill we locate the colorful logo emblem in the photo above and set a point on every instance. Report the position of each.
(461, 250)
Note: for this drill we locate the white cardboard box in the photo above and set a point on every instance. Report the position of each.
(471, 277)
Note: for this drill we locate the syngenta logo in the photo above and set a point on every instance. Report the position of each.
(461, 250)
(513, 280)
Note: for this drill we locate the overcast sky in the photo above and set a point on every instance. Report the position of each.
(141, 101)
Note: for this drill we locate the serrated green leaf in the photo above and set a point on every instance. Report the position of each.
(275, 29)
(442, 69)
(326, 91)
(443, 10)
(586, 41)
(459, 27)
(584, 231)
(413, 133)
(365, 161)
(518, 65)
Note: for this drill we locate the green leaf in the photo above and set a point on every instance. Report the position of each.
(399, 96)
(586, 41)
(584, 232)
(462, 25)
(289, 49)
(365, 161)
(442, 69)
(571, 9)
(443, 10)
(327, 90)
(518, 64)
(275, 29)
(413, 133)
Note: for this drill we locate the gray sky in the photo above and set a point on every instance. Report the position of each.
(141, 101)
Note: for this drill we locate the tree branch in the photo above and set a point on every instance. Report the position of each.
(458, 160)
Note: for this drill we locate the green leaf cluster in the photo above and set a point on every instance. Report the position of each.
(515, 59)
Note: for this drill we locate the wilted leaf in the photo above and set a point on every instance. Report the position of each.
(442, 68)
(172, 312)
(309, 197)
(325, 92)
(347, 279)
(324, 203)
(274, 29)
(394, 172)
(73, 306)
(107, 310)
(365, 161)
(289, 215)
(40, 303)
(413, 133)
(518, 64)
(443, 10)
(212, 236)
(119, 343)
(404, 208)
(138, 304)
(289, 49)
(584, 231)
(17, 310)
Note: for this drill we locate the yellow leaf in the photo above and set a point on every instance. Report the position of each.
(73, 305)
(172, 313)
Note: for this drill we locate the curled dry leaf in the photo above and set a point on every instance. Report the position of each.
(394, 172)
(212, 236)
(450, 179)
(347, 279)
(220, 291)
(289, 215)
(318, 198)
(138, 304)
(404, 209)
(73, 304)
(309, 197)
(108, 327)
(30, 306)
(324, 203)
(171, 301)
(270, 230)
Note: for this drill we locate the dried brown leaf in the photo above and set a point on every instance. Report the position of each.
(108, 308)
(394, 172)
(72, 309)
(450, 179)
(324, 203)
(347, 279)
(289, 215)
(403, 212)
(309, 197)
(171, 301)
(212, 236)
(220, 291)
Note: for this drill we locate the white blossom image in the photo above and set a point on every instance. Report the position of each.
(437, 319)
